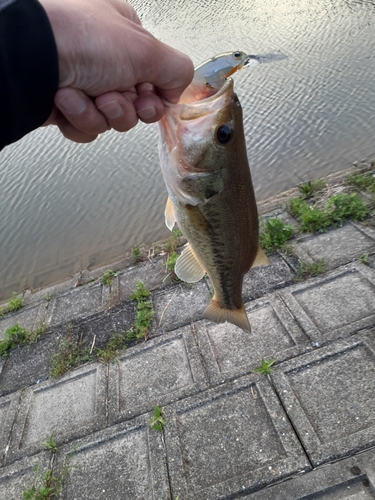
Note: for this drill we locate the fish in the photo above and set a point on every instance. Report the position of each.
(204, 162)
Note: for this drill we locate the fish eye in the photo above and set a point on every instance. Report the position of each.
(237, 54)
(224, 134)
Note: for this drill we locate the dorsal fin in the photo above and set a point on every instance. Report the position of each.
(188, 268)
(261, 259)
(170, 218)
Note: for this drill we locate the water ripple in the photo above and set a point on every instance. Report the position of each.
(64, 205)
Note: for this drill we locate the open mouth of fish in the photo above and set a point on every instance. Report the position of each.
(199, 104)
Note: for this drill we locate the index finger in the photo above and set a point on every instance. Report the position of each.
(168, 69)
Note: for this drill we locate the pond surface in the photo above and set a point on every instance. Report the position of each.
(65, 206)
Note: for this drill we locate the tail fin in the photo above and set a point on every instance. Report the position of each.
(214, 312)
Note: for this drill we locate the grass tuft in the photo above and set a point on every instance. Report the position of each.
(136, 255)
(173, 241)
(73, 353)
(116, 343)
(307, 270)
(15, 303)
(337, 210)
(12, 305)
(171, 261)
(50, 444)
(107, 277)
(144, 314)
(16, 335)
(274, 233)
(309, 188)
(47, 485)
(265, 367)
(364, 259)
(365, 181)
(157, 421)
(70, 355)
(346, 206)
(311, 219)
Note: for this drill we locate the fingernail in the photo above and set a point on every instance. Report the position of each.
(111, 109)
(72, 103)
(146, 113)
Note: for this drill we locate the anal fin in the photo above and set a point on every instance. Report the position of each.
(261, 259)
(188, 268)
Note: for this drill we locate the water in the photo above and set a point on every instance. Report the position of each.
(65, 206)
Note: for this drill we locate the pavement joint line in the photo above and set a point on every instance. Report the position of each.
(290, 421)
(296, 318)
(165, 457)
(324, 440)
(194, 334)
(12, 427)
(321, 331)
(286, 262)
(106, 394)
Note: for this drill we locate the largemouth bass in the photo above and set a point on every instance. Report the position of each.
(205, 167)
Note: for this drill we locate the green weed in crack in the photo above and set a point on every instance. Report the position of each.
(157, 422)
(265, 367)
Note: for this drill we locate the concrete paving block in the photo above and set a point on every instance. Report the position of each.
(102, 325)
(121, 462)
(70, 407)
(151, 274)
(265, 279)
(20, 476)
(29, 317)
(77, 303)
(8, 411)
(123, 316)
(98, 326)
(349, 479)
(230, 441)
(110, 294)
(290, 257)
(338, 246)
(28, 364)
(160, 371)
(335, 305)
(329, 397)
(180, 305)
(230, 352)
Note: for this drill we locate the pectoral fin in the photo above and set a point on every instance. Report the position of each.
(170, 218)
(215, 312)
(261, 259)
(188, 268)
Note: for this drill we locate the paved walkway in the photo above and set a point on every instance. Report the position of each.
(306, 431)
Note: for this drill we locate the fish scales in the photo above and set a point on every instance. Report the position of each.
(206, 171)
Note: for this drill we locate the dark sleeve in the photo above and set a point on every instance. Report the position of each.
(28, 68)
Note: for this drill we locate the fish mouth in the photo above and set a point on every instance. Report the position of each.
(198, 95)
(202, 111)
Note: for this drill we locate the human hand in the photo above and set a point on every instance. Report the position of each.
(112, 71)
